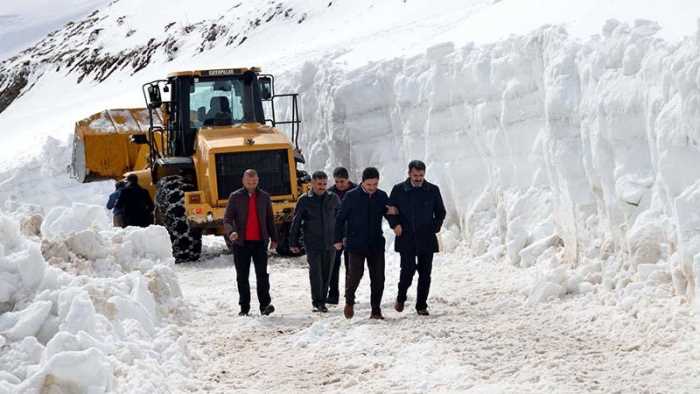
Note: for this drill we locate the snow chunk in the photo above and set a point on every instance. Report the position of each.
(64, 221)
(75, 371)
(24, 323)
(30, 266)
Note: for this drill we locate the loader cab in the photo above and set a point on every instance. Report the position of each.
(208, 98)
(211, 99)
(190, 101)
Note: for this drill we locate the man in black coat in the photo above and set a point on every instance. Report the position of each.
(315, 215)
(421, 214)
(135, 203)
(342, 186)
(359, 223)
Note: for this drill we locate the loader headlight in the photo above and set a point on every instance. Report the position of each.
(194, 198)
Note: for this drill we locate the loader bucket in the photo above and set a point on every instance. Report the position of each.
(102, 148)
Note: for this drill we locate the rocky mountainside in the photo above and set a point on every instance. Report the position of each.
(82, 49)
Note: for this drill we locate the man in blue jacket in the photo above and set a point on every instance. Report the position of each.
(359, 221)
(117, 214)
(421, 214)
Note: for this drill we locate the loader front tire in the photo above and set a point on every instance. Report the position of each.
(170, 205)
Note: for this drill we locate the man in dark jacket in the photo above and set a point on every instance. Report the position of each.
(360, 223)
(117, 215)
(342, 186)
(421, 214)
(315, 215)
(135, 203)
(249, 225)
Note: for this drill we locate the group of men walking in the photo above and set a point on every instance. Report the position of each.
(343, 222)
(338, 223)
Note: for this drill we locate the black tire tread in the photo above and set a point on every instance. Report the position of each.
(170, 204)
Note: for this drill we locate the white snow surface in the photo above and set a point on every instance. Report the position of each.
(482, 335)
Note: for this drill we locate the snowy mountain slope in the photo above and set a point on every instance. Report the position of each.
(27, 21)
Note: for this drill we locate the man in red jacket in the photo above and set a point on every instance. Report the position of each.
(249, 225)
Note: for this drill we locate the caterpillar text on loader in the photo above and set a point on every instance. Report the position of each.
(189, 150)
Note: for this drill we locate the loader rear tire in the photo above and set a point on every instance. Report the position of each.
(170, 205)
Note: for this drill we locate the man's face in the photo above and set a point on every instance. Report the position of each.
(342, 183)
(371, 185)
(417, 176)
(319, 185)
(250, 182)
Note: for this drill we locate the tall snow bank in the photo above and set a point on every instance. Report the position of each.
(544, 146)
(85, 308)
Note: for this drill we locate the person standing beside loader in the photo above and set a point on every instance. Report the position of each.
(249, 225)
(117, 215)
(135, 204)
(315, 214)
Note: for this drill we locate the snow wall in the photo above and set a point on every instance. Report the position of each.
(541, 143)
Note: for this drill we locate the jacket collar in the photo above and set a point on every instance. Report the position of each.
(365, 191)
(407, 186)
(311, 193)
(244, 192)
(350, 187)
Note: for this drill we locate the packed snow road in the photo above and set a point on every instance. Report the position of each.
(482, 336)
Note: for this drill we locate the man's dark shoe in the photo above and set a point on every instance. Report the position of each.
(322, 308)
(423, 312)
(376, 315)
(349, 311)
(267, 310)
(398, 306)
(245, 309)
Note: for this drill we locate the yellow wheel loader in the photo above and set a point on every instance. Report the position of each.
(189, 147)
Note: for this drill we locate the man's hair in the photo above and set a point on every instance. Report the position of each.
(250, 172)
(341, 172)
(370, 173)
(132, 178)
(319, 175)
(119, 185)
(416, 165)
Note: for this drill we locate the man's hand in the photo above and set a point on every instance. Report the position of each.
(233, 236)
(391, 210)
(273, 245)
(398, 230)
(338, 245)
(295, 249)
